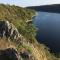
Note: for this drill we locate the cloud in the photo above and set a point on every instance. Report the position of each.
(30, 2)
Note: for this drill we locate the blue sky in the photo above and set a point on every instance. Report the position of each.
(24, 3)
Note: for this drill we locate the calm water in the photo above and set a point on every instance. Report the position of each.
(48, 25)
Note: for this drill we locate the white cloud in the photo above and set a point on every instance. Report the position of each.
(30, 2)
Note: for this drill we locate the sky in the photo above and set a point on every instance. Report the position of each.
(24, 3)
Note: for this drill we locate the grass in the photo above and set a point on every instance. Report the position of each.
(18, 16)
(4, 44)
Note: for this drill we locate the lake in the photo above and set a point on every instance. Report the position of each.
(48, 25)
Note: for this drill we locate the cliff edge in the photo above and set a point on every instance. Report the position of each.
(17, 37)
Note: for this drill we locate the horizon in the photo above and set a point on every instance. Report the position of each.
(26, 3)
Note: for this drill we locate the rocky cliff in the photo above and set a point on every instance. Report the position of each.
(17, 37)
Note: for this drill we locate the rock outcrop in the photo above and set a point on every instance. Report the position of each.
(9, 54)
(26, 55)
(8, 30)
(12, 54)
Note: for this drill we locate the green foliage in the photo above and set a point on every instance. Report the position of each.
(29, 49)
(29, 31)
(18, 16)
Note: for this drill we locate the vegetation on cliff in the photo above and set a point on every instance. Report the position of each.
(18, 17)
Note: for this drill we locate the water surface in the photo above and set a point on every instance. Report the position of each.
(48, 25)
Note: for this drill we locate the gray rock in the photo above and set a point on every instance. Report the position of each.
(8, 30)
(26, 55)
(9, 54)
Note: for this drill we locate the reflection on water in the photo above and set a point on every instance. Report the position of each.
(48, 25)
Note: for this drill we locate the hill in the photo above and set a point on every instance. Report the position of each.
(54, 8)
(26, 44)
